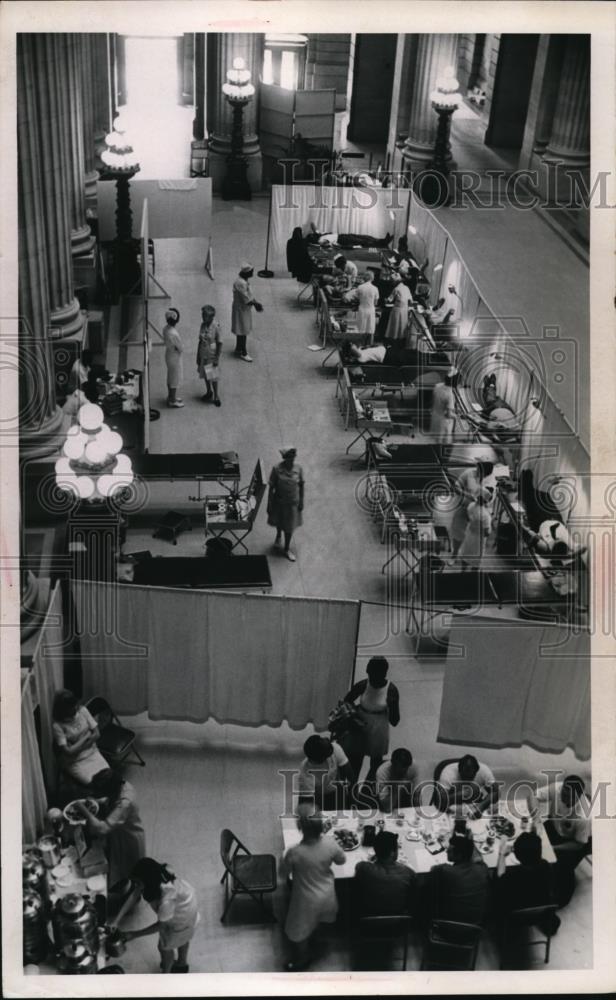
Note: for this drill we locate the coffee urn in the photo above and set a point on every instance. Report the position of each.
(35, 942)
(75, 921)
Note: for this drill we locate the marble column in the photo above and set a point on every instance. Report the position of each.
(102, 87)
(549, 93)
(40, 419)
(434, 53)
(82, 240)
(222, 50)
(570, 138)
(86, 51)
(51, 91)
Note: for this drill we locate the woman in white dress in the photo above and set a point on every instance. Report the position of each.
(397, 324)
(442, 420)
(174, 902)
(367, 297)
(468, 484)
(313, 894)
(477, 531)
(173, 357)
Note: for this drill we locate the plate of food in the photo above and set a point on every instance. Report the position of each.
(74, 815)
(347, 839)
(414, 835)
(502, 826)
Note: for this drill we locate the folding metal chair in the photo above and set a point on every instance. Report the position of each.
(116, 742)
(245, 873)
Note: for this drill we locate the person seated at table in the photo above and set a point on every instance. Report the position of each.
(470, 787)
(568, 827)
(348, 269)
(395, 780)
(313, 894)
(384, 887)
(528, 884)
(324, 772)
(298, 258)
(75, 734)
(460, 890)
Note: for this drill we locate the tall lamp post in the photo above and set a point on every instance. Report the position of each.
(239, 91)
(445, 99)
(121, 164)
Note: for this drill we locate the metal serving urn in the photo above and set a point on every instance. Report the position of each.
(35, 941)
(75, 921)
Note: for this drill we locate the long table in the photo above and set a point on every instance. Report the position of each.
(204, 572)
(221, 467)
(413, 826)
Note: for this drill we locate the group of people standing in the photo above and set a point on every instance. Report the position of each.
(209, 344)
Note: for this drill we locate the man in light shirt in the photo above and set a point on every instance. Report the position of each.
(470, 787)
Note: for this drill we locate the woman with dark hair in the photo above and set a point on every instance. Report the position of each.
(377, 702)
(313, 895)
(208, 354)
(298, 258)
(173, 357)
(174, 902)
(75, 734)
(118, 822)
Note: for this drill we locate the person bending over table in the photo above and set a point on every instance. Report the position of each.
(384, 887)
(313, 894)
(470, 787)
(348, 270)
(298, 258)
(460, 890)
(118, 822)
(395, 780)
(528, 884)
(378, 708)
(324, 773)
(568, 827)
(175, 903)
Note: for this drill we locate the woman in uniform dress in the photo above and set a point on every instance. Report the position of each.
(285, 501)
(479, 526)
(367, 297)
(377, 703)
(241, 312)
(468, 484)
(442, 419)
(397, 324)
(208, 353)
(173, 357)
(313, 894)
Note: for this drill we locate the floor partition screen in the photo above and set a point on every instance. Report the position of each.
(539, 694)
(193, 655)
(366, 211)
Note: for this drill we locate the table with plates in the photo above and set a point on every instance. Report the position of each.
(423, 835)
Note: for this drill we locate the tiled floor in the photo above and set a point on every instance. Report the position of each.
(200, 779)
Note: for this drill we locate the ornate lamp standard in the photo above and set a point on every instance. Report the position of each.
(445, 99)
(238, 90)
(120, 165)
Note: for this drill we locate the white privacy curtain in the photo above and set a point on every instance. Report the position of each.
(538, 694)
(33, 797)
(361, 210)
(237, 658)
(48, 669)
